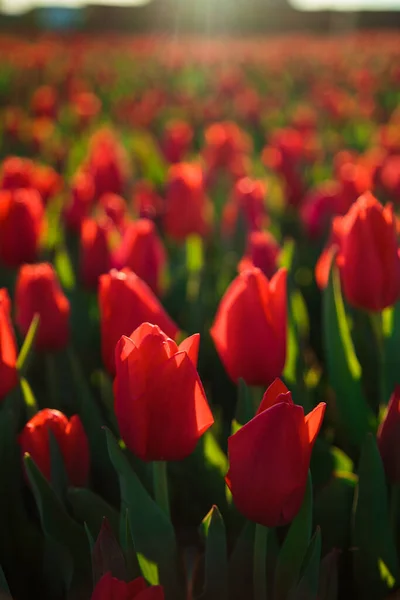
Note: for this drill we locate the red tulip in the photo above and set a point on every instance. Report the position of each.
(160, 403)
(247, 200)
(388, 438)
(125, 303)
(187, 208)
(110, 588)
(262, 252)
(38, 291)
(269, 458)
(16, 173)
(177, 138)
(71, 438)
(44, 102)
(146, 202)
(21, 226)
(8, 347)
(82, 198)
(368, 255)
(95, 258)
(142, 251)
(249, 330)
(115, 208)
(46, 181)
(107, 163)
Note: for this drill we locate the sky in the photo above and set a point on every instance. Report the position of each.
(16, 6)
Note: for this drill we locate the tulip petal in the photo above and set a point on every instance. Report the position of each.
(313, 422)
(277, 392)
(76, 453)
(191, 346)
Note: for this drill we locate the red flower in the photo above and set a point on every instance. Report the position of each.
(177, 138)
(247, 200)
(8, 347)
(142, 251)
(16, 173)
(388, 438)
(110, 588)
(82, 198)
(38, 291)
(249, 330)
(95, 257)
(269, 458)
(71, 438)
(160, 403)
(107, 163)
(21, 226)
(146, 202)
(187, 208)
(262, 252)
(115, 208)
(125, 303)
(368, 255)
(44, 102)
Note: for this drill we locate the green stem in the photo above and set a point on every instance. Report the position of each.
(260, 563)
(377, 327)
(160, 485)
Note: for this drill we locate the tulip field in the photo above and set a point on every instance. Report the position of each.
(200, 318)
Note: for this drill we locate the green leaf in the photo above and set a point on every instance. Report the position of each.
(213, 454)
(344, 370)
(128, 546)
(216, 560)
(90, 508)
(391, 336)
(107, 555)
(31, 406)
(56, 523)
(308, 586)
(64, 268)
(58, 568)
(372, 533)
(152, 533)
(294, 548)
(4, 586)
(244, 407)
(27, 347)
(241, 564)
(328, 580)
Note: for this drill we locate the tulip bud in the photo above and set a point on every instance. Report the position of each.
(269, 458)
(249, 330)
(249, 195)
(71, 438)
(38, 291)
(82, 198)
(95, 256)
(110, 588)
(21, 226)
(126, 302)
(262, 252)
(8, 347)
(150, 366)
(142, 251)
(16, 173)
(388, 438)
(177, 138)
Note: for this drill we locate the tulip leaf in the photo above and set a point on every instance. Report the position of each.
(107, 555)
(372, 533)
(307, 588)
(294, 548)
(128, 546)
(31, 406)
(91, 508)
(244, 407)
(4, 586)
(216, 560)
(241, 564)
(328, 579)
(56, 523)
(58, 568)
(343, 367)
(152, 532)
(213, 454)
(391, 341)
(28, 345)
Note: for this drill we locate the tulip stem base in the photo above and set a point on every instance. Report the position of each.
(260, 563)
(160, 486)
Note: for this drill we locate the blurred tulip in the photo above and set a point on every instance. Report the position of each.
(110, 588)
(262, 251)
(38, 291)
(142, 251)
(8, 347)
(388, 438)
(176, 141)
(95, 253)
(22, 223)
(44, 102)
(161, 407)
(126, 302)
(81, 201)
(16, 173)
(269, 490)
(114, 207)
(368, 255)
(107, 163)
(71, 438)
(249, 330)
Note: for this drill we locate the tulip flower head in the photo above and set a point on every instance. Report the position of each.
(8, 347)
(388, 438)
(269, 458)
(110, 588)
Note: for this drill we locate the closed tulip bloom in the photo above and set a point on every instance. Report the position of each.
(176, 141)
(38, 291)
(21, 225)
(81, 201)
(262, 251)
(160, 403)
(16, 173)
(114, 207)
(95, 254)
(8, 347)
(71, 438)
(126, 302)
(249, 195)
(368, 255)
(269, 458)
(110, 588)
(249, 330)
(388, 438)
(142, 251)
